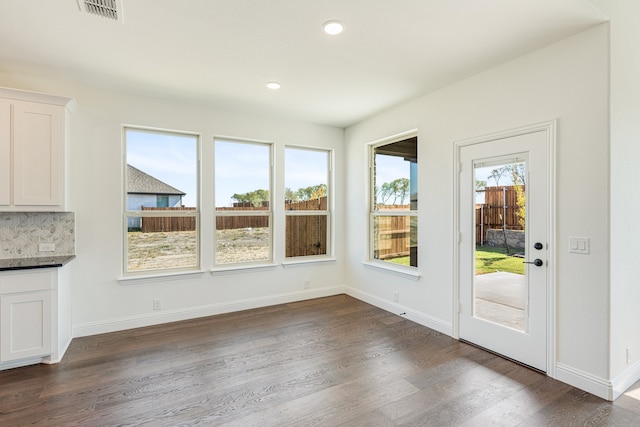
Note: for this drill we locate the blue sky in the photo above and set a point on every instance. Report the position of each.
(171, 158)
(305, 168)
(389, 168)
(239, 168)
(244, 167)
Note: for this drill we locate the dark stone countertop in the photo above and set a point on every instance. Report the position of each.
(36, 262)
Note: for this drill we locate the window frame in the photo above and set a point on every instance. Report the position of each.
(328, 212)
(374, 213)
(269, 213)
(164, 199)
(160, 214)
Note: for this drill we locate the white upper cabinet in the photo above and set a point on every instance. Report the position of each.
(5, 153)
(32, 151)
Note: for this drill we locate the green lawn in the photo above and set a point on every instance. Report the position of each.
(490, 259)
(400, 261)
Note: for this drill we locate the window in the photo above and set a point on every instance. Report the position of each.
(243, 214)
(394, 202)
(306, 178)
(161, 201)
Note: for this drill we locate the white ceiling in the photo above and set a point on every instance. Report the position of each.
(222, 52)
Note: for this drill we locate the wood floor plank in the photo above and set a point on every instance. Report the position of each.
(522, 405)
(335, 405)
(332, 361)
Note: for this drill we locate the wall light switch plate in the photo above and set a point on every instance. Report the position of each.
(579, 245)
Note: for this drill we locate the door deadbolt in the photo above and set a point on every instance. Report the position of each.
(538, 245)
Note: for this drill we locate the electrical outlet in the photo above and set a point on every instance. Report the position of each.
(628, 355)
(157, 304)
(396, 296)
(46, 247)
(307, 284)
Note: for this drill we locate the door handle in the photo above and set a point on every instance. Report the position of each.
(537, 262)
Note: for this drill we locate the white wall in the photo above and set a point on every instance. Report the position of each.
(100, 302)
(567, 81)
(625, 197)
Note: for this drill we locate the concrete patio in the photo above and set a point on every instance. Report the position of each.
(500, 298)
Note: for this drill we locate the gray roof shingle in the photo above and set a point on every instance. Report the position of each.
(139, 182)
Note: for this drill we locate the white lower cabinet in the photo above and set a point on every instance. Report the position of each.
(26, 325)
(29, 321)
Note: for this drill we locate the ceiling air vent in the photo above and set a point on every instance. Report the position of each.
(110, 9)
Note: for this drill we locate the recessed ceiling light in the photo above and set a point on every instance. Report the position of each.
(273, 85)
(333, 27)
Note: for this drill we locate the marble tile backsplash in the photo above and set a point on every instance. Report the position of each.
(22, 232)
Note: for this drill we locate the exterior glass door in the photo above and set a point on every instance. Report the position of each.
(503, 223)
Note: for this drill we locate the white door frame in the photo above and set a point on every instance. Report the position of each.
(550, 129)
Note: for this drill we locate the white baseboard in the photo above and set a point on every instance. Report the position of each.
(609, 390)
(584, 381)
(396, 308)
(57, 356)
(156, 318)
(22, 362)
(626, 379)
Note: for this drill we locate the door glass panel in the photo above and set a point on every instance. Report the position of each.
(500, 283)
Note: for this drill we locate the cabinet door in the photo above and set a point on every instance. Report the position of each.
(38, 134)
(5, 152)
(25, 325)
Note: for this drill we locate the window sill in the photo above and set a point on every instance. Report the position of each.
(308, 260)
(156, 277)
(239, 268)
(406, 273)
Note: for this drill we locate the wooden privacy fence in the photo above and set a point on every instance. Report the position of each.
(393, 237)
(305, 234)
(230, 222)
(240, 221)
(319, 204)
(500, 208)
(167, 223)
(392, 233)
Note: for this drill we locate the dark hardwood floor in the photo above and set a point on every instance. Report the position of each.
(328, 362)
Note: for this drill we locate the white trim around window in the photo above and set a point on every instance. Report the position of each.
(159, 163)
(393, 203)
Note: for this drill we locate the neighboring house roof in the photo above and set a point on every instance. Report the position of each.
(139, 182)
